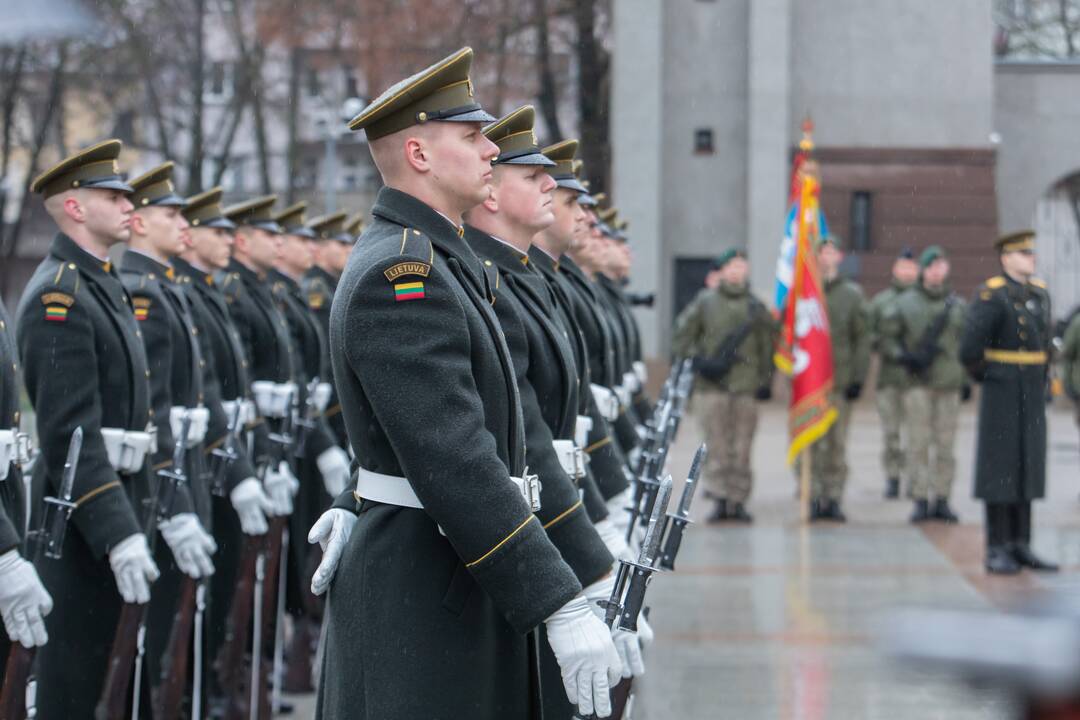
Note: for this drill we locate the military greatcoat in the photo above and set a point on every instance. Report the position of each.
(430, 610)
(85, 365)
(1004, 346)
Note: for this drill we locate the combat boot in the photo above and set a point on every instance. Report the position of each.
(921, 513)
(719, 513)
(738, 514)
(1022, 554)
(999, 561)
(892, 488)
(833, 512)
(943, 512)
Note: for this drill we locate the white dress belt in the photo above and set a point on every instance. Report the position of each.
(127, 449)
(582, 428)
(247, 411)
(200, 420)
(274, 400)
(14, 450)
(395, 490)
(606, 401)
(571, 458)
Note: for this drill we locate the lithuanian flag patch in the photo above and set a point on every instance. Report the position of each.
(56, 313)
(409, 291)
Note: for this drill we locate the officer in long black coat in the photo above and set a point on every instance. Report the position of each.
(1005, 347)
(85, 366)
(446, 569)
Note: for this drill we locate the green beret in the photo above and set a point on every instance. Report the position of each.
(727, 256)
(931, 254)
(829, 239)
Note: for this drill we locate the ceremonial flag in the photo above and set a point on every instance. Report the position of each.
(785, 263)
(805, 349)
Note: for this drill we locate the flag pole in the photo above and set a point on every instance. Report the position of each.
(804, 484)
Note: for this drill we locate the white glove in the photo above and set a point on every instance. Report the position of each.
(586, 654)
(615, 540)
(332, 532)
(252, 506)
(334, 466)
(134, 568)
(281, 485)
(191, 545)
(626, 643)
(24, 601)
(616, 506)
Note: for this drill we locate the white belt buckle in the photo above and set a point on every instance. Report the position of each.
(641, 371)
(530, 486)
(321, 396)
(24, 448)
(7, 452)
(582, 427)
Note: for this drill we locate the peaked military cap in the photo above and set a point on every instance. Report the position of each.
(291, 220)
(95, 167)
(562, 155)
(1020, 240)
(204, 210)
(331, 227)
(254, 213)
(601, 198)
(155, 188)
(930, 254)
(355, 225)
(516, 139)
(442, 91)
(584, 198)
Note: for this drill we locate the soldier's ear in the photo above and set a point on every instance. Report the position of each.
(74, 208)
(416, 155)
(138, 224)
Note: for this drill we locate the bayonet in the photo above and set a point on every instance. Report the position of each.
(227, 454)
(58, 509)
(681, 517)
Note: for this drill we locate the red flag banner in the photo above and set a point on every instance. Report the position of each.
(805, 351)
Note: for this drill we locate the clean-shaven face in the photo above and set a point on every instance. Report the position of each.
(460, 159)
(166, 228)
(524, 195)
(106, 214)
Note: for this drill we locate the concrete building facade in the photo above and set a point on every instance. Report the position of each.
(922, 137)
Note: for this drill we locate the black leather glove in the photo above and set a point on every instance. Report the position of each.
(763, 393)
(965, 393)
(853, 391)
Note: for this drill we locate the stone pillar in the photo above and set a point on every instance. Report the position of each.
(636, 134)
(769, 129)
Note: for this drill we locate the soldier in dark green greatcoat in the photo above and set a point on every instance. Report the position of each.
(177, 381)
(1004, 347)
(85, 366)
(23, 599)
(445, 570)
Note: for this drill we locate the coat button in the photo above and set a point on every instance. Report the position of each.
(1023, 335)
(147, 373)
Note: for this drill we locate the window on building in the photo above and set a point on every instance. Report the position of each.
(351, 85)
(218, 80)
(314, 86)
(703, 141)
(861, 206)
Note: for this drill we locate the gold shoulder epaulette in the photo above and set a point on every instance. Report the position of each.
(995, 282)
(1037, 283)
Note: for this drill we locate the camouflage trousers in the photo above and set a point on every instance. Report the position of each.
(729, 421)
(931, 431)
(829, 468)
(890, 406)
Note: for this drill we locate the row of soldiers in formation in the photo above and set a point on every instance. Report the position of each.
(264, 369)
(931, 345)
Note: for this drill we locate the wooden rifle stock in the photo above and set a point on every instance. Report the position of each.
(269, 618)
(169, 694)
(229, 664)
(20, 660)
(116, 692)
(620, 695)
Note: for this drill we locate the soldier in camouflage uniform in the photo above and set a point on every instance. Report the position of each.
(850, 333)
(731, 334)
(921, 333)
(891, 375)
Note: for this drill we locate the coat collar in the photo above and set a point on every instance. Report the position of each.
(506, 257)
(543, 262)
(67, 250)
(405, 210)
(275, 277)
(322, 274)
(183, 267)
(245, 273)
(137, 262)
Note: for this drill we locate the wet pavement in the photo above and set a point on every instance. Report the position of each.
(778, 620)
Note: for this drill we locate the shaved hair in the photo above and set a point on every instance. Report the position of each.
(388, 152)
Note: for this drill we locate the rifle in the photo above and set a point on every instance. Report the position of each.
(927, 347)
(649, 466)
(227, 453)
(255, 594)
(48, 540)
(169, 694)
(681, 517)
(128, 647)
(628, 596)
(714, 367)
